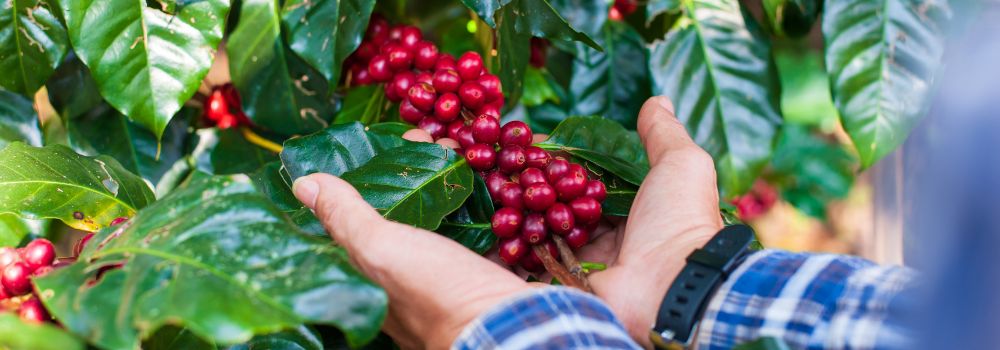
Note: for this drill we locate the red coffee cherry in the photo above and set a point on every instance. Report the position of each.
(425, 77)
(531, 176)
(361, 76)
(515, 133)
(447, 80)
(506, 222)
(399, 58)
(481, 156)
(486, 129)
(531, 262)
(447, 107)
(596, 190)
(426, 55)
(472, 94)
(560, 218)
(432, 126)
(422, 96)
(536, 157)
(378, 30)
(491, 86)
(409, 113)
(396, 32)
(402, 82)
(578, 237)
(379, 69)
(511, 159)
(533, 230)
(573, 185)
(513, 250)
(217, 106)
(511, 196)
(465, 138)
(15, 279)
(489, 109)
(587, 210)
(8, 256)
(557, 169)
(33, 311)
(494, 183)
(366, 51)
(82, 243)
(453, 127)
(38, 253)
(470, 66)
(445, 61)
(539, 196)
(4, 295)
(409, 37)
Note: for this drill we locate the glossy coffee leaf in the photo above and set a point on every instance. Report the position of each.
(587, 16)
(513, 51)
(214, 234)
(486, 8)
(279, 91)
(12, 230)
(537, 88)
(657, 7)
(416, 184)
(32, 44)
(716, 67)
(471, 225)
(86, 193)
(226, 151)
(19, 335)
(270, 181)
(325, 32)
(900, 43)
(300, 338)
(72, 90)
(620, 196)
(146, 62)
(810, 170)
(609, 83)
(336, 150)
(531, 17)
(604, 143)
(172, 337)
(362, 104)
(18, 121)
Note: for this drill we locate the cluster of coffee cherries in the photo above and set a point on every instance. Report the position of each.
(622, 8)
(223, 109)
(17, 267)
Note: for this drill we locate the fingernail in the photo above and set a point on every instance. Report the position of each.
(306, 190)
(666, 104)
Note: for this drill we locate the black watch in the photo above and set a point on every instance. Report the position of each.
(687, 297)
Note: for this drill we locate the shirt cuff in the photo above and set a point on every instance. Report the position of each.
(552, 317)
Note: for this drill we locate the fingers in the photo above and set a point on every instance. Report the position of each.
(660, 130)
(344, 214)
(418, 135)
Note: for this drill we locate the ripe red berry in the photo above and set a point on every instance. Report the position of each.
(217, 106)
(447, 107)
(445, 61)
(4, 295)
(390, 92)
(38, 253)
(8, 256)
(379, 69)
(422, 96)
(531, 262)
(560, 218)
(409, 37)
(596, 190)
(578, 237)
(366, 51)
(539, 196)
(453, 127)
(486, 129)
(409, 113)
(536, 157)
(447, 80)
(534, 230)
(470, 66)
(33, 311)
(494, 183)
(557, 169)
(399, 58)
(489, 109)
(78, 247)
(426, 55)
(402, 82)
(396, 32)
(587, 210)
(491, 86)
(531, 176)
(506, 222)
(511, 159)
(481, 156)
(511, 196)
(573, 185)
(472, 94)
(15, 278)
(465, 138)
(378, 30)
(425, 77)
(515, 133)
(512, 250)
(362, 77)
(432, 126)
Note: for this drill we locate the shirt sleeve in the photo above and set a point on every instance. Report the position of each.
(548, 318)
(814, 301)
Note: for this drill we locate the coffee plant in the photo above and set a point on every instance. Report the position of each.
(147, 148)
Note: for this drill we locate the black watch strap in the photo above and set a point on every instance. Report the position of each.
(705, 270)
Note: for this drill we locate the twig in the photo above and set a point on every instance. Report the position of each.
(569, 259)
(260, 141)
(559, 271)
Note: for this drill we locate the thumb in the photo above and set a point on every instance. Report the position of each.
(660, 131)
(341, 209)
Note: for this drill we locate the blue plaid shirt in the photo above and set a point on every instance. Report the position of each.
(815, 301)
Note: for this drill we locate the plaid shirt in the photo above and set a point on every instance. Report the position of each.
(815, 301)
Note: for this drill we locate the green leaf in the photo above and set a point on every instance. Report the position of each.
(587, 16)
(882, 57)
(513, 52)
(486, 8)
(270, 180)
(32, 44)
(170, 337)
(416, 184)
(792, 18)
(609, 83)
(537, 89)
(362, 104)
(300, 338)
(146, 62)
(531, 17)
(12, 230)
(621, 194)
(19, 335)
(72, 90)
(86, 193)
(604, 143)
(103, 130)
(226, 151)
(279, 91)
(325, 32)
(811, 171)
(335, 150)
(472, 224)
(717, 69)
(657, 7)
(18, 121)
(219, 259)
